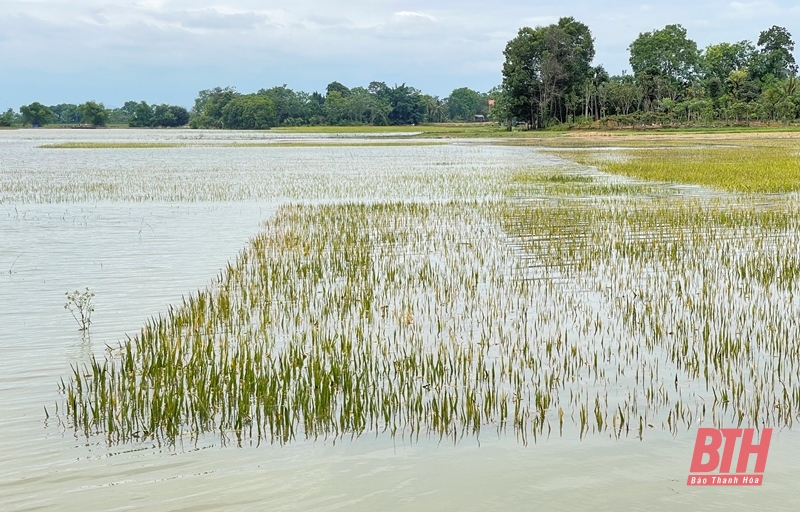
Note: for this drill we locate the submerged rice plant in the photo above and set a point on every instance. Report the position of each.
(461, 296)
(549, 316)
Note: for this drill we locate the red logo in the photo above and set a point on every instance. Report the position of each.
(707, 457)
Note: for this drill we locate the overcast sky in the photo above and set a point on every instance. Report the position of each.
(164, 51)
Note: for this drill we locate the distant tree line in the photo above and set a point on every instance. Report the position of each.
(96, 114)
(142, 115)
(36, 114)
(377, 104)
(549, 79)
(224, 107)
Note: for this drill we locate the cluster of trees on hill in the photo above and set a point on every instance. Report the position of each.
(549, 79)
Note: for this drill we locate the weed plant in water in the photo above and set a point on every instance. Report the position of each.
(80, 305)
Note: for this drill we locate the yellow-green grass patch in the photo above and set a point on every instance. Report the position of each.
(774, 168)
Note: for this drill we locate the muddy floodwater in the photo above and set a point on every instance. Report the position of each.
(602, 345)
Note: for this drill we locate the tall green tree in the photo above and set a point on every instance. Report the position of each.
(593, 100)
(249, 112)
(169, 116)
(464, 103)
(36, 114)
(407, 105)
(720, 60)
(381, 106)
(291, 108)
(359, 105)
(314, 103)
(335, 108)
(66, 113)
(142, 115)
(578, 63)
(622, 95)
(128, 109)
(435, 109)
(337, 87)
(500, 112)
(775, 49)
(7, 119)
(93, 113)
(664, 61)
(123, 114)
(379, 90)
(209, 105)
(543, 67)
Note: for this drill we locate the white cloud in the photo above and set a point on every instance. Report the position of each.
(411, 14)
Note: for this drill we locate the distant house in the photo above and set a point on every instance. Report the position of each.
(479, 118)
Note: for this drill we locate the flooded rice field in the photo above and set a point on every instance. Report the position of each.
(380, 326)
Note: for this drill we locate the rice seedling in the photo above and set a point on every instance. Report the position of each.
(569, 182)
(279, 174)
(453, 319)
(559, 297)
